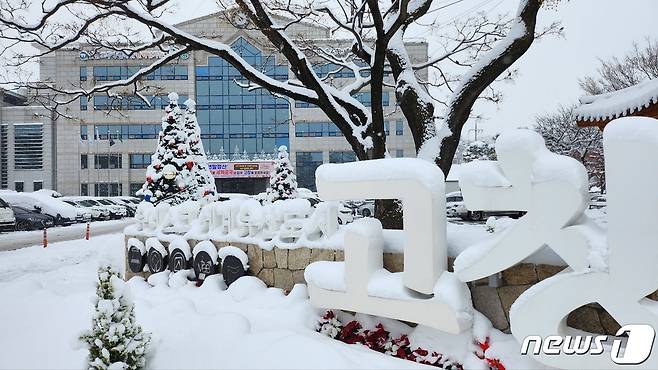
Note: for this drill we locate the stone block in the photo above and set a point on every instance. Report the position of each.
(269, 260)
(283, 279)
(394, 262)
(585, 318)
(546, 271)
(487, 301)
(281, 257)
(610, 325)
(340, 255)
(521, 274)
(298, 277)
(267, 276)
(322, 255)
(509, 294)
(299, 258)
(255, 255)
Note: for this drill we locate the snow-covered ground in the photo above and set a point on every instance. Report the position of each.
(47, 303)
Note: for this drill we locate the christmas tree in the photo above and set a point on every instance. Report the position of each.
(283, 182)
(202, 183)
(168, 175)
(115, 340)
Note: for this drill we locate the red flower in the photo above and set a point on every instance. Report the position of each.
(350, 334)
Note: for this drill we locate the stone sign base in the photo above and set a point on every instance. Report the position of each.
(283, 268)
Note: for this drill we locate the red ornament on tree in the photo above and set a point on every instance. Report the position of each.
(149, 179)
(189, 165)
(157, 166)
(180, 151)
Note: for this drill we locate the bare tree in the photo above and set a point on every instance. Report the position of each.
(640, 64)
(477, 52)
(376, 33)
(563, 137)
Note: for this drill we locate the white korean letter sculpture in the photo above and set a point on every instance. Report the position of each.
(425, 292)
(617, 274)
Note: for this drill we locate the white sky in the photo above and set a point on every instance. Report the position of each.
(550, 70)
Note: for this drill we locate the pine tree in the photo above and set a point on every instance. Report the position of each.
(283, 182)
(202, 183)
(115, 339)
(168, 176)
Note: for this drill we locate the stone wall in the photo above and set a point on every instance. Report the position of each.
(493, 297)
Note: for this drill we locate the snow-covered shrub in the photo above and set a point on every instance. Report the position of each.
(283, 182)
(479, 150)
(115, 341)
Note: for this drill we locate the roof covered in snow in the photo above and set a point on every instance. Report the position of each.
(620, 103)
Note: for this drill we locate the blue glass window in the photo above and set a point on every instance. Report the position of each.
(83, 73)
(399, 128)
(231, 116)
(306, 164)
(342, 157)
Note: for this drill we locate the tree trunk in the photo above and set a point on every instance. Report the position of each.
(389, 213)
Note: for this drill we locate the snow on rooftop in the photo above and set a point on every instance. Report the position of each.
(618, 103)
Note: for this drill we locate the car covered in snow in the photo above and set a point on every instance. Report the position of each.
(63, 213)
(27, 220)
(97, 213)
(130, 202)
(7, 219)
(116, 211)
(453, 201)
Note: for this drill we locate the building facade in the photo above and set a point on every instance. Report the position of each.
(27, 132)
(105, 145)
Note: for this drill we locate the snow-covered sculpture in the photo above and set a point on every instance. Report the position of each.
(180, 217)
(250, 218)
(361, 283)
(528, 177)
(223, 219)
(323, 222)
(630, 273)
(294, 213)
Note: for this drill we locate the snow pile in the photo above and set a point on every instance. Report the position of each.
(52, 289)
(618, 103)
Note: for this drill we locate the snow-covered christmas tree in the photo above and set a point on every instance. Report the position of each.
(283, 182)
(202, 183)
(169, 174)
(115, 341)
(478, 151)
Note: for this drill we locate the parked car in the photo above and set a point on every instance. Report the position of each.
(7, 217)
(363, 208)
(97, 213)
(116, 211)
(131, 207)
(63, 213)
(478, 215)
(27, 220)
(453, 200)
(598, 201)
